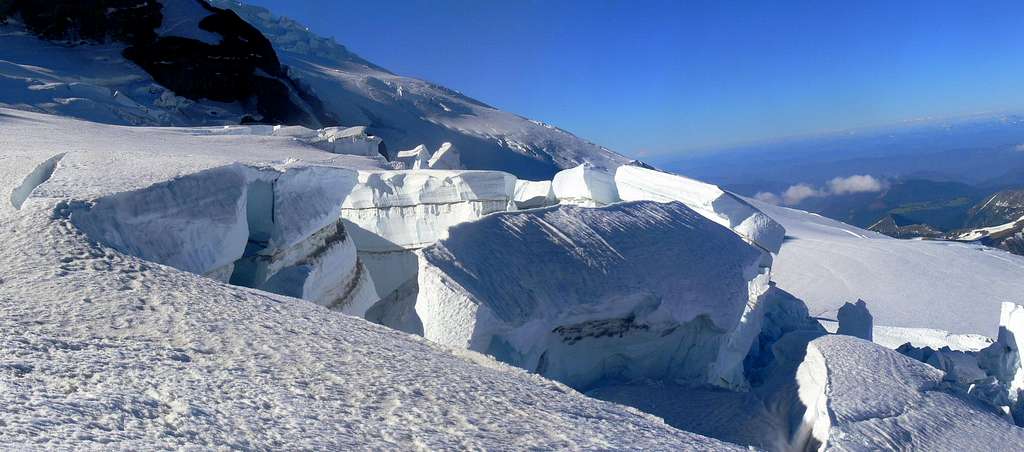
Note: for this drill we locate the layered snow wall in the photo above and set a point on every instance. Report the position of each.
(532, 194)
(585, 185)
(582, 295)
(636, 183)
(276, 230)
(390, 214)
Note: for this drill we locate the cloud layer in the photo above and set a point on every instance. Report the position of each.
(795, 194)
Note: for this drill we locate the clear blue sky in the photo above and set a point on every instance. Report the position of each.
(655, 77)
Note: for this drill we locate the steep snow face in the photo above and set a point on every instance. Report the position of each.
(582, 295)
(390, 214)
(407, 112)
(114, 352)
(322, 81)
(955, 287)
(172, 196)
(861, 396)
(585, 185)
(530, 194)
(636, 183)
(1002, 360)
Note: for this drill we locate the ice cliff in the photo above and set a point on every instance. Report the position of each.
(581, 295)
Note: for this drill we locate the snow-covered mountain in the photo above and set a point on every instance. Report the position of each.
(196, 64)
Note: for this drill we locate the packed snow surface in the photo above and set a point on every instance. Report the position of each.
(629, 291)
(530, 194)
(954, 287)
(104, 350)
(861, 396)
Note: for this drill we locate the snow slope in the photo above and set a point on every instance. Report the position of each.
(948, 286)
(408, 112)
(103, 350)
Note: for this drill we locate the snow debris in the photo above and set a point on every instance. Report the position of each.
(351, 141)
(446, 158)
(415, 158)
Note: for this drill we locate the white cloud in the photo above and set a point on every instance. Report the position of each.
(855, 184)
(766, 197)
(1019, 147)
(799, 192)
(795, 194)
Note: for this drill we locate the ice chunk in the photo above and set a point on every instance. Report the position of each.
(410, 209)
(863, 396)
(416, 158)
(1003, 361)
(855, 320)
(585, 185)
(323, 269)
(629, 291)
(351, 140)
(195, 223)
(532, 194)
(253, 227)
(637, 183)
(390, 214)
(446, 158)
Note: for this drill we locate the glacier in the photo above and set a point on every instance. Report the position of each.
(113, 351)
(155, 275)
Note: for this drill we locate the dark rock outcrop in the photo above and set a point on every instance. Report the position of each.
(242, 67)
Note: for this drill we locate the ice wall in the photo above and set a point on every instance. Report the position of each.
(390, 214)
(273, 229)
(585, 185)
(637, 183)
(581, 295)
